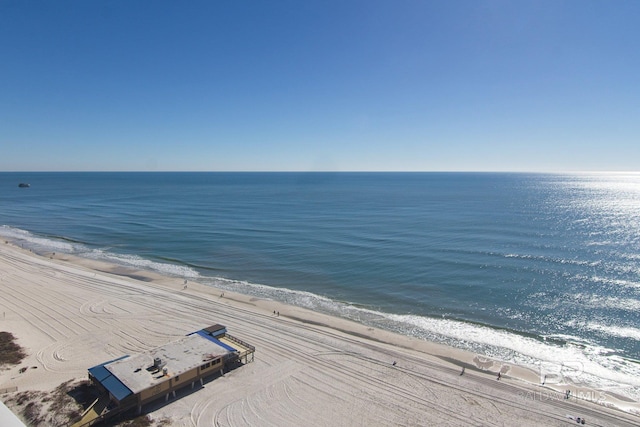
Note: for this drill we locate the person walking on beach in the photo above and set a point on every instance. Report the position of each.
(499, 376)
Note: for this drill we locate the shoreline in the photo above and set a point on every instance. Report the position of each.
(71, 313)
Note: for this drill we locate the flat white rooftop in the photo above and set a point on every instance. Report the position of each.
(178, 357)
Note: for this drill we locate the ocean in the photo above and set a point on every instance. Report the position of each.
(541, 270)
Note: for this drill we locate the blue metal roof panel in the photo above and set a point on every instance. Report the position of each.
(99, 372)
(109, 381)
(116, 388)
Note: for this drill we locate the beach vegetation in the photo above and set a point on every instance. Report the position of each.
(66, 403)
(140, 421)
(10, 352)
(57, 407)
(131, 418)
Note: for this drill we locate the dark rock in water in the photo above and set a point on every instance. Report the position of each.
(24, 185)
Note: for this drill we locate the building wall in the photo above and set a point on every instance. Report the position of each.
(210, 367)
(169, 384)
(155, 391)
(184, 378)
(179, 381)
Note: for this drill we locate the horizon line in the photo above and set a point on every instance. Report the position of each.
(328, 171)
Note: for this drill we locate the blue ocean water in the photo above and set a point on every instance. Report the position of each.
(536, 269)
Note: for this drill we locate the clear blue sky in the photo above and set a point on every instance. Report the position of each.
(305, 85)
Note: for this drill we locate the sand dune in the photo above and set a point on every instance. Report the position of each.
(309, 369)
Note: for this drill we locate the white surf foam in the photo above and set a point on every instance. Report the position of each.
(136, 261)
(47, 244)
(619, 331)
(599, 366)
(580, 360)
(35, 242)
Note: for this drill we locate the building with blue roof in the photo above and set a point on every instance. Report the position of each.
(134, 380)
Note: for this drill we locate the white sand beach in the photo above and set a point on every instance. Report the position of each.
(70, 314)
